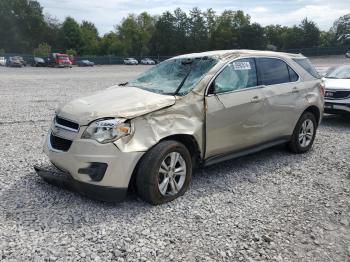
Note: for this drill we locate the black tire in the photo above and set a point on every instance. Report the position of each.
(294, 144)
(147, 177)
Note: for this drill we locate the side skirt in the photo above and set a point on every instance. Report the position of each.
(236, 154)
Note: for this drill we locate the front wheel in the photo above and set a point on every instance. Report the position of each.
(304, 134)
(164, 173)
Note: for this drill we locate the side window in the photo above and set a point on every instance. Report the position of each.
(272, 71)
(293, 77)
(237, 75)
(306, 64)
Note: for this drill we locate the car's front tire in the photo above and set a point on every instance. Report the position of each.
(304, 133)
(164, 173)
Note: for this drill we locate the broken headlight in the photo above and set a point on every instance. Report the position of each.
(108, 130)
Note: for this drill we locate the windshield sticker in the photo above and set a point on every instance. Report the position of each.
(241, 65)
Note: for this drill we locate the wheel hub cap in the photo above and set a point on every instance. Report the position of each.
(172, 174)
(306, 133)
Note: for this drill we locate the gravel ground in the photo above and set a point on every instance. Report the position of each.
(268, 206)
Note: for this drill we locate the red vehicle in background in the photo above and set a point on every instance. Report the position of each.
(72, 59)
(59, 60)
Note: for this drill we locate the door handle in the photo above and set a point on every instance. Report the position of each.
(256, 99)
(295, 90)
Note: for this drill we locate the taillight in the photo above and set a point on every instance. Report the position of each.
(322, 88)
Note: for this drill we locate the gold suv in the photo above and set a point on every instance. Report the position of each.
(189, 111)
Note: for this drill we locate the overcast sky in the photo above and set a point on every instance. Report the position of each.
(107, 13)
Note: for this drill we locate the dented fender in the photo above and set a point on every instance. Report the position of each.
(185, 117)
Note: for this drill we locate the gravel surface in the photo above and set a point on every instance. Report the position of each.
(268, 206)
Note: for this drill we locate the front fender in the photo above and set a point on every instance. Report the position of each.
(185, 117)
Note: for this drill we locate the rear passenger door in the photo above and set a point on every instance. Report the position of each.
(281, 94)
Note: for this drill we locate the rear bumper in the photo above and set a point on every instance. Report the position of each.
(65, 180)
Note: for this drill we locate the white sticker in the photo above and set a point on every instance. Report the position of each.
(241, 65)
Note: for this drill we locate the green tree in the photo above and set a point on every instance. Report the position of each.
(44, 49)
(163, 40)
(135, 33)
(70, 35)
(71, 52)
(311, 33)
(293, 37)
(252, 37)
(110, 44)
(341, 30)
(90, 38)
(227, 31)
(22, 25)
(274, 35)
(211, 20)
(181, 32)
(198, 31)
(327, 39)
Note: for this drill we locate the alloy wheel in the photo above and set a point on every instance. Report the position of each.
(172, 174)
(306, 133)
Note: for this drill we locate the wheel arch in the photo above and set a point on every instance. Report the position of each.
(188, 141)
(191, 144)
(315, 111)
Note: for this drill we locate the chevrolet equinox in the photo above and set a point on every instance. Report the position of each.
(188, 111)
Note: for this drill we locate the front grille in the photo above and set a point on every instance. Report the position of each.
(67, 124)
(59, 143)
(339, 94)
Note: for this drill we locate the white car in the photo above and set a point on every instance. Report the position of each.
(347, 54)
(2, 61)
(337, 96)
(130, 61)
(147, 61)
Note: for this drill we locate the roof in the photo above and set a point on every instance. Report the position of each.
(222, 54)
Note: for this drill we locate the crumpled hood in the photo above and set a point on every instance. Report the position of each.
(123, 102)
(337, 83)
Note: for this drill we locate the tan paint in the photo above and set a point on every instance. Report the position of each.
(123, 102)
(232, 120)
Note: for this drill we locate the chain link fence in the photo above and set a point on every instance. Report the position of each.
(117, 60)
(98, 60)
(320, 51)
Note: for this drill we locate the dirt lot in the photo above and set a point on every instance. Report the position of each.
(268, 206)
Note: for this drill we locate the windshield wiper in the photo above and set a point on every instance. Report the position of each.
(123, 84)
(185, 78)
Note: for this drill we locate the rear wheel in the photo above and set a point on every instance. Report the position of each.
(304, 134)
(164, 173)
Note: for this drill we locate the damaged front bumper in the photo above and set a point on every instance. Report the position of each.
(99, 171)
(65, 180)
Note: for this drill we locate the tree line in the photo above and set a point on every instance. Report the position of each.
(25, 29)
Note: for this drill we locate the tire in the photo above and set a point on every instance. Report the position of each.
(150, 178)
(304, 134)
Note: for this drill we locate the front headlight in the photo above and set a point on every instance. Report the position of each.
(105, 131)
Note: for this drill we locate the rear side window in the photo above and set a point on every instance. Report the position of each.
(272, 71)
(293, 77)
(306, 64)
(239, 74)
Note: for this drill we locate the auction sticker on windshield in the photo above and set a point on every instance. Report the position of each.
(241, 65)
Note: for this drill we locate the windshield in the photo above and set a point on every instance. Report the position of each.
(174, 76)
(341, 72)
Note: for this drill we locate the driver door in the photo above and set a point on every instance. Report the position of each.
(234, 117)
